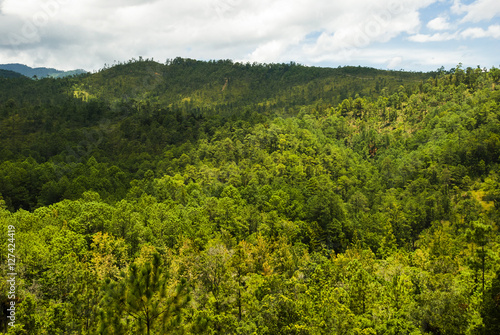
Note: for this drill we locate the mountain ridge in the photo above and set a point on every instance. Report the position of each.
(9, 74)
(39, 72)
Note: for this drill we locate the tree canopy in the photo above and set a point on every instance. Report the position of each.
(227, 198)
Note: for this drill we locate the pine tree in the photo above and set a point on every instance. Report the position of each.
(140, 301)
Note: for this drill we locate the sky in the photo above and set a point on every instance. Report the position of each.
(414, 35)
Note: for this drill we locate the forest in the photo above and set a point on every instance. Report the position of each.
(217, 197)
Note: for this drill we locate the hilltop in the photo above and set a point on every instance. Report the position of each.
(202, 82)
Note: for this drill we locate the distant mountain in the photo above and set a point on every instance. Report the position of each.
(9, 74)
(39, 72)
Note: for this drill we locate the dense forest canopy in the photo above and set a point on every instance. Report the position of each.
(229, 198)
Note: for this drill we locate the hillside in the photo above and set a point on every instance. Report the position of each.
(9, 74)
(259, 198)
(202, 82)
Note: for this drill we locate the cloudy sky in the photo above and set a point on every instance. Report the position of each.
(416, 35)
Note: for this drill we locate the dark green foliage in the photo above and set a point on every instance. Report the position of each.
(9, 74)
(492, 307)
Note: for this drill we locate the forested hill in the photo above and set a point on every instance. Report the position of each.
(9, 74)
(142, 108)
(39, 72)
(258, 198)
(217, 82)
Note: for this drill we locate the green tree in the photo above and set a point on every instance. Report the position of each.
(491, 312)
(141, 303)
(479, 234)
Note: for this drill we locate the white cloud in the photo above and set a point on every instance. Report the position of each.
(437, 37)
(268, 52)
(89, 33)
(477, 11)
(424, 57)
(395, 62)
(261, 30)
(397, 57)
(378, 23)
(439, 23)
(492, 31)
